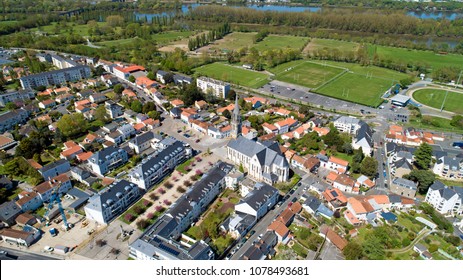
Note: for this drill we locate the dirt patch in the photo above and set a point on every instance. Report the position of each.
(225, 207)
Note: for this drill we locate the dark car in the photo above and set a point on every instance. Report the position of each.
(294, 199)
(197, 141)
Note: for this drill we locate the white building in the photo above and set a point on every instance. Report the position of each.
(111, 201)
(447, 201)
(347, 124)
(216, 87)
(158, 165)
(263, 161)
(55, 77)
(107, 159)
(449, 168)
(143, 141)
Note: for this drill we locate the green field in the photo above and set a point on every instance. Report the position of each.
(7, 22)
(317, 44)
(115, 43)
(273, 42)
(305, 73)
(413, 57)
(232, 74)
(359, 84)
(79, 29)
(170, 36)
(234, 41)
(435, 97)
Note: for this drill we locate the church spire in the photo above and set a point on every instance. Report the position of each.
(236, 121)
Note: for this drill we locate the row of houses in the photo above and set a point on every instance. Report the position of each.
(161, 240)
(411, 136)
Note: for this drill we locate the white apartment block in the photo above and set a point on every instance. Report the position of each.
(56, 77)
(216, 87)
(111, 201)
(445, 200)
(107, 159)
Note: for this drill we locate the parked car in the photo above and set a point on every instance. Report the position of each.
(48, 249)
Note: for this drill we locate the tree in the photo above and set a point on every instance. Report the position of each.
(118, 89)
(136, 106)
(353, 251)
(98, 71)
(423, 156)
(155, 115)
(148, 107)
(151, 76)
(11, 106)
(457, 121)
(226, 114)
(369, 167)
(425, 178)
(101, 114)
(131, 79)
(72, 125)
(231, 95)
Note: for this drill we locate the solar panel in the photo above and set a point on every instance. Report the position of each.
(169, 250)
(335, 194)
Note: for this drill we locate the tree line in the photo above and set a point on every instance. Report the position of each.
(205, 38)
(347, 20)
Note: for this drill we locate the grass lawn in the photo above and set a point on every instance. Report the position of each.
(79, 29)
(7, 22)
(356, 88)
(410, 222)
(439, 124)
(234, 41)
(301, 251)
(305, 73)
(344, 156)
(273, 42)
(451, 183)
(232, 74)
(181, 167)
(317, 44)
(414, 57)
(435, 97)
(116, 43)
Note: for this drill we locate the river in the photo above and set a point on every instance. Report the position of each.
(283, 8)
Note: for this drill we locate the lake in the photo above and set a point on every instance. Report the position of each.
(278, 8)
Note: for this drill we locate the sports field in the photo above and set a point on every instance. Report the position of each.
(233, 74)
(414, 57)
(305, 73)
(275, 42)
(317, 44)
(363, 85)
(435, 97)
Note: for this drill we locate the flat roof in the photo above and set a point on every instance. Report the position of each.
(399, 98)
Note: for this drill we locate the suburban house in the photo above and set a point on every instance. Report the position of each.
(251, 208)
(335, 164)
(363, 139)
(400, 168)
(8, 212)
(114, 110)
(333, 237)
(161, 75)
(54, 169)
(111, 201)
(49, 103)
(263, 160)
(29, 201)
(315, 207)
(346, 183)
(107, 159)
(403, 187)
(25, 237)
(61, 184)
(142, 142)
(335, 198)
(446, 200)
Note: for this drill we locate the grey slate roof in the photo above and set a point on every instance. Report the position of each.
(312, 202)
(159, 159)
(267, 153)
(101, 155)
(261, 193)
(53, 165)
(364, 132)
(393, 198)
(444, 191)
(402, 163)
(8, 211)
(404, 183)
(110, 195)
(143, 138)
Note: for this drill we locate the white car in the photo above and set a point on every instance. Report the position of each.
(48, 249)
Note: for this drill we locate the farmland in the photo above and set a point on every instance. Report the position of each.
(435, 97)
(232, 74)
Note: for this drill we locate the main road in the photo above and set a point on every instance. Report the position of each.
(23, 255)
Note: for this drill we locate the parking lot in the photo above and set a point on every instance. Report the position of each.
(285, 90)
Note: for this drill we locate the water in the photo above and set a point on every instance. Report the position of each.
(186, 8)
(436, 15)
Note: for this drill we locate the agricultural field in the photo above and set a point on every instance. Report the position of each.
(409, 56)
(305, 73)
(233, 74)
(435, 97)
(317, 44)
(233, 41)
(273, 42)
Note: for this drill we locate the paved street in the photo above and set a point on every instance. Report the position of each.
(22, 254)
